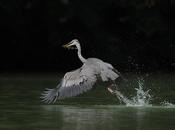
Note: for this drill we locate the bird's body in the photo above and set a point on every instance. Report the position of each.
(80, 80)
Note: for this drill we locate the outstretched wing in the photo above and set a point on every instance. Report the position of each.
(77, 82)
(81, 80)
(73, 83)
(107, 71)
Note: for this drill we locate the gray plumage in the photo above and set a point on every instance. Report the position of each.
(80, 80)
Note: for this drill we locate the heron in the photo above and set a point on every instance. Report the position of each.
(82, 79)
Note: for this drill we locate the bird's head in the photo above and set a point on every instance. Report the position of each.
(72, 45)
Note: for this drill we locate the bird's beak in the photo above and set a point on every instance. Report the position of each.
(68, 45)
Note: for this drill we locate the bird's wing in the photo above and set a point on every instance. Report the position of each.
(107, 71)
(72, 84)
(77, 82)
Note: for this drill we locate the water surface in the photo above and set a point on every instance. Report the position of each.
(21, 108)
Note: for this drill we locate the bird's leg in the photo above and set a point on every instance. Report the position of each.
(113, 88)
(110, 89)
(116, 91)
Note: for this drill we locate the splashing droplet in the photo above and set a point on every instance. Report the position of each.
(167, 104)
(142, 97)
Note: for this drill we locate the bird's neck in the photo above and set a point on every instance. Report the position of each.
(83, 60)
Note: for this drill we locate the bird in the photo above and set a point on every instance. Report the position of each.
(82, 79)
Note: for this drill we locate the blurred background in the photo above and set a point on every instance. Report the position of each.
(134, 35)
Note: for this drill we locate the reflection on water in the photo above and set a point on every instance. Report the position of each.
(20, 108)
(79, 118)
(112, 117)
(103, 117)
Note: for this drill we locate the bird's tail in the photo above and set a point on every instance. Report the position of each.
(50, 95)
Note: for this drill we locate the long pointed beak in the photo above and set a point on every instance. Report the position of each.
(66, 45)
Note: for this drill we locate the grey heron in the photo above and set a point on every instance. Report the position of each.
(82, 79)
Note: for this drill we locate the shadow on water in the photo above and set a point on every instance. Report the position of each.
(21, 108)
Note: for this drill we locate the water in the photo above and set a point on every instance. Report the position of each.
(20, 106)
(142, 97)
(167, 104)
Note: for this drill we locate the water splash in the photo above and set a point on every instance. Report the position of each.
(167, 104)
(142, 97)
(122, 98)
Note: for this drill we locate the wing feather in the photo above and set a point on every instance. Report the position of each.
(107, 71)
(81, 80)
(77, 82)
